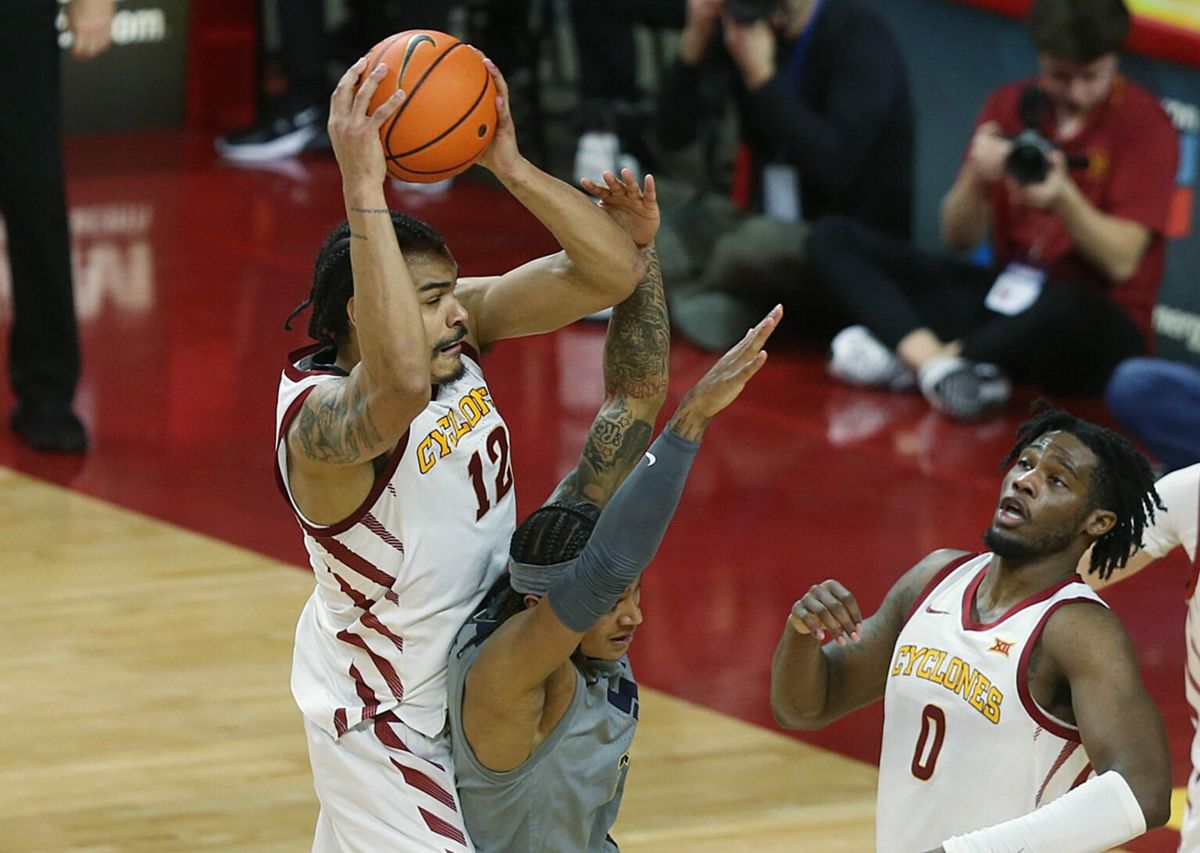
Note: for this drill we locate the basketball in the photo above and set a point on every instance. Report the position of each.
(449, 116)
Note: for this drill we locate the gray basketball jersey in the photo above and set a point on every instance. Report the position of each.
(565, 797)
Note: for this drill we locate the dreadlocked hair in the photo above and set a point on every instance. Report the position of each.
(553, 534)
(333, 282)
(1122, 482)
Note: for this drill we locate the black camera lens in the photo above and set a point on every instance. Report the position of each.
(1028, 162)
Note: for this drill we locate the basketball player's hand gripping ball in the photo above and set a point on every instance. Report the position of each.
(449, 115)
(355, 134)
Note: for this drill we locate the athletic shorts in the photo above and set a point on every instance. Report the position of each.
(385, 787)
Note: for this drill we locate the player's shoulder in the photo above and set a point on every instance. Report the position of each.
(924, 576)
(1083, 616)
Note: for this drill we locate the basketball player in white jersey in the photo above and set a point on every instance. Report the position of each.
(1177, 526)
(1015, 718)
(396, 462)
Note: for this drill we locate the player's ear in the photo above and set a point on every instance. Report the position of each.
(1099, 522)
(532, 600)
(350, 311)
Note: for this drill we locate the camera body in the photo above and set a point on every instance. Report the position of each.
(749, 11)
(1029, 160)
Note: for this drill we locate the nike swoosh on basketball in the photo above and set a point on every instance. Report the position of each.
(929, 609)
(651, 457)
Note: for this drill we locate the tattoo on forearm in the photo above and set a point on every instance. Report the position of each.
(338, 428)
(614, 445)
(638, 347)
(369, 210)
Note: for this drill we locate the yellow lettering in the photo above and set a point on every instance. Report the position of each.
(992, 710)
(471, 410)
(930, 664)
(954, 672)
(481, 397)
(425, 455)
(939, 677)
(976, 698)
(903, 653)
(915, 660)
(461, 428)
(443, 444)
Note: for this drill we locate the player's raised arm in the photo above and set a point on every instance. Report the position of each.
(1122, 733)
(351, 422)
(598, 267)
(508, 680)
(637, 352)
(813, 685)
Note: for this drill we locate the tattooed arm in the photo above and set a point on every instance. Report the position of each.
(636, 355)
(345, 424)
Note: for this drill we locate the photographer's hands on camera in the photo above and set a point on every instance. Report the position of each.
(988, 160)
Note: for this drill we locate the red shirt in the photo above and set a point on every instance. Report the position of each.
(1132, 152)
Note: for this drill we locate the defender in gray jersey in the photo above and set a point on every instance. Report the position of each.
(543, 703)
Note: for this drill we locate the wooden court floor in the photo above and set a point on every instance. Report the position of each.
(145, 707)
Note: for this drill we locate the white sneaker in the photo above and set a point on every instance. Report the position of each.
(858, 358)
(596, 154)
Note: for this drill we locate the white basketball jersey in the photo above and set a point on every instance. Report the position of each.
(964, 744)
(397, 579)
(1180, 493)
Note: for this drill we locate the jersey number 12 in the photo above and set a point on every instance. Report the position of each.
(497, 451)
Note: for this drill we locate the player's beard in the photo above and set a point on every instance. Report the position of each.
(1016, 550)
(460, 368)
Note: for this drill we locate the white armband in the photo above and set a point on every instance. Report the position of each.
(1098, 815)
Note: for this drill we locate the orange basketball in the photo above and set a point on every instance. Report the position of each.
(449, 116)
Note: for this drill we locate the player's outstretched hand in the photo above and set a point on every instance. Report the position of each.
(503, 155)
(353, 131)
(725, 379)
(828, 609)
(632, 207)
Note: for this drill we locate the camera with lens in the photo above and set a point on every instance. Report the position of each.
(749, 11)
(1029, 160)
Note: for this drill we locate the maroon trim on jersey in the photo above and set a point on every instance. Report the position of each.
(370, 706)
(1063, 754)
(283, 426)
(381, 481)
(941, 575)
(969, 622)
(416, 779)
(389, 738)
(339, 722)
(1083, 776)
(382, 664)
(340, 552)
(376, 526)
(1037, 714)
(442, 827)
(294, 373)
(368, 619)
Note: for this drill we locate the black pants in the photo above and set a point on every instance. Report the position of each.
(304, 46)
(1068, 342)
(604, 38)
(43, 361)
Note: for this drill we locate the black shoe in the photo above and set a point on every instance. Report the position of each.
(964, 390)
(52, 430)
(282, 134)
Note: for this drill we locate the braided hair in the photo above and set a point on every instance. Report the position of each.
(333, 281)
(1122, 482)
(552, 534)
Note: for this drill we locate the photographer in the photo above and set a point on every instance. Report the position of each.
(1072, 173)
(825, 126)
